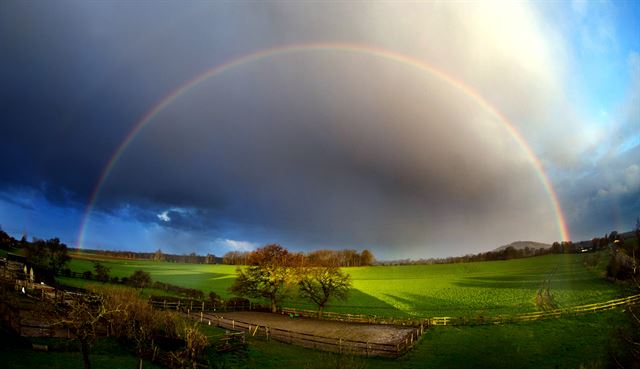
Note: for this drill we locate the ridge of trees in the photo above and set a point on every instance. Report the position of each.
(322, 257)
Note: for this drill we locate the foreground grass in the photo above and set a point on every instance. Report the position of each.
(465, 289)
(105, 354)
(587, 341)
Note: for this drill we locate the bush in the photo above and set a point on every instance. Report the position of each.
(214, 298)
(238, 302)
(87, 274)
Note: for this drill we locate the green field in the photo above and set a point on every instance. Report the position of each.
(465, 289)
(585, 341)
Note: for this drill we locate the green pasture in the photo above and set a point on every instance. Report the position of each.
(480, 288)
(587, 341)
(590, 341)
(105, 354)
(204, 277)
(464, 289)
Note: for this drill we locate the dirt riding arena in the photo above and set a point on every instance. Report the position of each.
(357, 338)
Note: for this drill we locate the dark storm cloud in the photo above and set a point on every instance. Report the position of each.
(312, 149)
(607, 198)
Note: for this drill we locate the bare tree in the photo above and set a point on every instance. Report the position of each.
(84, 315)
(320, 284)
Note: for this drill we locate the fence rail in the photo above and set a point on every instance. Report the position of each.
(478, 320)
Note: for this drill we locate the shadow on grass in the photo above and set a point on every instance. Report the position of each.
(358, 303)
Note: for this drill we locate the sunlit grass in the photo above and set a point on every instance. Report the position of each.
(465, 289)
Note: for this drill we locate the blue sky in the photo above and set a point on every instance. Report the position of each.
(319, 148)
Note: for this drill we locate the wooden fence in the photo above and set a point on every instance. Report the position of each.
(477, 320)
(318, 342)
(188, 306)
(356, 318)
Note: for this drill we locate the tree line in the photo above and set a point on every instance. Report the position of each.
(507, 253)
(158, 255)
(322, 257)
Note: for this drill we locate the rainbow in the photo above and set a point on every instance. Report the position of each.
(390, 55)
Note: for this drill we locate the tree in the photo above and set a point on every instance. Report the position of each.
(83, 316)
(320, 284)
(140, 279)
(50, 255)
(366, 258)
(268, 275)
(158, 256)
(102, 272)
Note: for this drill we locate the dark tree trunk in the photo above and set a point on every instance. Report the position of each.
(84, 347)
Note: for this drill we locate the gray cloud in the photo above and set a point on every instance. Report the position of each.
(310, 149)
(314, 151)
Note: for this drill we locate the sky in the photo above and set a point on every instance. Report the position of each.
(412, 129)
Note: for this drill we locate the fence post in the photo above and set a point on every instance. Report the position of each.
(191, 305)
(340, 345)
(201, 315)
(164, 305)
(202, 305)
(233, 323)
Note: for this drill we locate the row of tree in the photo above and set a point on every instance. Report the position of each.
(273, 273)
(507, 253)
(323, 257)
(158, 255)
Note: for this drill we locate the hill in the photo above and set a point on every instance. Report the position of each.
(521, 245)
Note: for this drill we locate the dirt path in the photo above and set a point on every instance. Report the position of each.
(326, 328)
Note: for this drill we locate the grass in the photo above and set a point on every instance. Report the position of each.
(489, 288)
(481, 288)
(465, 289)
(560, 343)
(204, 277)
(105, 354)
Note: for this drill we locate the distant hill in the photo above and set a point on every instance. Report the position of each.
(520, 245)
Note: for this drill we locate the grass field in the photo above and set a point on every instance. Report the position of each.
(105, 354)
(586, 341)
(469, 289)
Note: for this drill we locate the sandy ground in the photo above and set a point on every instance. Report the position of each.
(326, 328)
